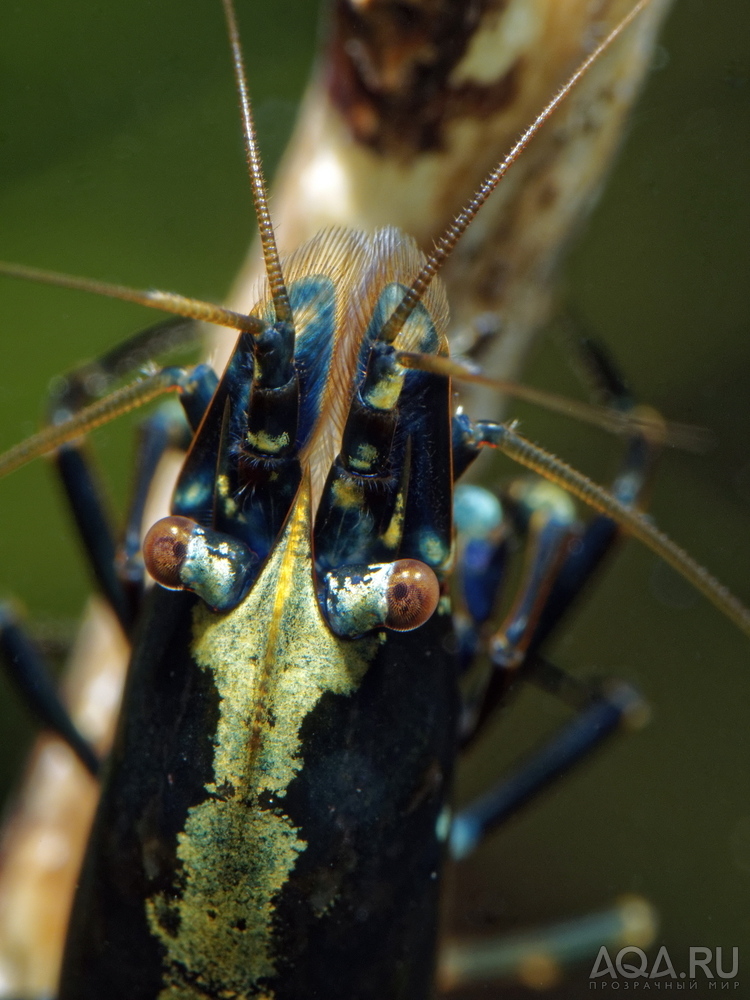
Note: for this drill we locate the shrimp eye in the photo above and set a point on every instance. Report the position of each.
(165, 548)
(412, 595)
(399, 595)
(181, 554)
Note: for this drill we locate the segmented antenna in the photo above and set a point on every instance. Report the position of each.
(275, 275)
(103, 411)
(446, 243)
(641, 421)
(169, 302)
(509, 441)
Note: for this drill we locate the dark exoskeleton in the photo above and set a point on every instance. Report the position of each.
(276, 810)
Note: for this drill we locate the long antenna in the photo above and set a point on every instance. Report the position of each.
(445, 244)
(641, 421)
(505, 438)
(275, 275)
(169, 302)
(123, 400)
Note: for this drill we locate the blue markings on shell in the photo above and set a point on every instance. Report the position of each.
(477, 513)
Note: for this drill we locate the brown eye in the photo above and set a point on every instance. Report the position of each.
(165, 547)
(412, 595)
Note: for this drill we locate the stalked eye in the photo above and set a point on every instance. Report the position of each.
(399, 595)
(165, 547)
(180, 554)
(412, 595)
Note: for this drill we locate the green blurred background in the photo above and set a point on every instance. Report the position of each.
(120, 158)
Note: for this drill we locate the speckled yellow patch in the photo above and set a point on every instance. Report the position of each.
(271, 656)
(363, 460)
(348, 493)
(268, 443)
(394, 531)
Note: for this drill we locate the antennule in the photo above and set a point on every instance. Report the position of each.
(120, 401)
(275, 275)
(168, 302)
(509, 441)
(651, 425)
(445, 244)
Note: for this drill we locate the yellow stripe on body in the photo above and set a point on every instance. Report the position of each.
(273, 655)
